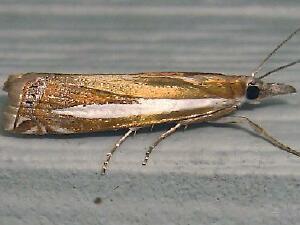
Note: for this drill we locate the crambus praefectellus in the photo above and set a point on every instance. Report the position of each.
(53, 103)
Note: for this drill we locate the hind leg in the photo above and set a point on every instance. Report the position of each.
(116, 146)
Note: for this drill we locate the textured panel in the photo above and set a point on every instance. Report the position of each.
(207, 174)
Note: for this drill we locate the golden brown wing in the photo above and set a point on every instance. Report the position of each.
(42, 103)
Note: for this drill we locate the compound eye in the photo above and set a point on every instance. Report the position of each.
(252, 92)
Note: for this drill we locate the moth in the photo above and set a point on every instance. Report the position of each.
(55, 103)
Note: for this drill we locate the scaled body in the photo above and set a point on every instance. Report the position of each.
(42, 103)
(53, 103)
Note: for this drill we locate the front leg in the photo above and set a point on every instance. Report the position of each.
(260, 131)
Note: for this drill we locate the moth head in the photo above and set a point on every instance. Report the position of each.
(257, 89)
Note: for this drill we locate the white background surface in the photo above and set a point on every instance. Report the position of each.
(204, 175)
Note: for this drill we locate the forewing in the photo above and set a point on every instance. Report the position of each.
(66, 103)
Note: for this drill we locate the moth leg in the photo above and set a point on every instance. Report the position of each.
(152, 126)
(196, 119)
(260, 131)
(162, 137)
(116, 146)
(185, 127)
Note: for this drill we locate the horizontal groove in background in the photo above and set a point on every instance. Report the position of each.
(168, 10)
(207, 175)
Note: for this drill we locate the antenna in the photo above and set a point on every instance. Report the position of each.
(258, 68)
(279, 68)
